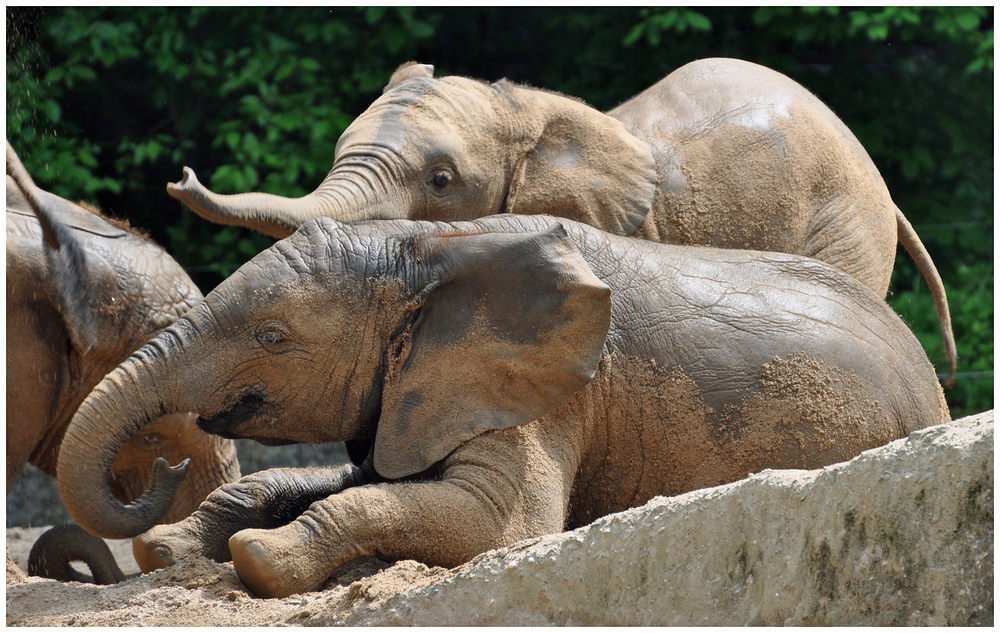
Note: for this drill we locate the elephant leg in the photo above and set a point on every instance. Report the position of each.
(483, 500)
(265, 499)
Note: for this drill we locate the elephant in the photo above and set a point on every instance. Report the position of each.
(83, 294)
(56, 548)
(496, 379)
(721, 152)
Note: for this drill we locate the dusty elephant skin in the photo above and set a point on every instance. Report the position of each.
(82, 294)
(900, 535)
(721, 153)
(498, 379)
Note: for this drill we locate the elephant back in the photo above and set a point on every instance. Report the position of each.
(736, 144)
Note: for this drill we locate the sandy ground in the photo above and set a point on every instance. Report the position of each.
(192, 594)
(200, 593)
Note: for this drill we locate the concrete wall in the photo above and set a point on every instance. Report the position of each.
(901, 535)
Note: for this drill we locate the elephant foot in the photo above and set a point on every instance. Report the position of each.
(151, 557)
(276, 563)
(164, 545)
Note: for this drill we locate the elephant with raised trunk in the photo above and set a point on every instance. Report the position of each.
(82, 294)
(495, 380)
(720, 153)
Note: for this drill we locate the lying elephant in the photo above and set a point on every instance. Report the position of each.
(721, 153)
(83, 294)
(497, 379)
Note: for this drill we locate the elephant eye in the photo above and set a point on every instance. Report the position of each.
(271, 336)
(441, 179)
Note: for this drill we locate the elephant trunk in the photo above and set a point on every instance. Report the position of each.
(124, 402)
(347, 195)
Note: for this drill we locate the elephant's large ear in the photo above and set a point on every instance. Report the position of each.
(511, 326)
(67, 260)
(580, 164)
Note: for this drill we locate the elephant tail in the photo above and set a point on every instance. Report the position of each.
(911, 242)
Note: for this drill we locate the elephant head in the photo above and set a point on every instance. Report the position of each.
(346, 333)
(721, 152)
(83, 294)
(453, 149)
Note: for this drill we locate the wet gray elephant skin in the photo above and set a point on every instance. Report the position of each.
(721, 153)
(82, 294)
(500, 379)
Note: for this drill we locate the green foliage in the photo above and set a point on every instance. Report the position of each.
(659, 21)
(108, 103)
(964, 26)
(972, 310)
(249, 98)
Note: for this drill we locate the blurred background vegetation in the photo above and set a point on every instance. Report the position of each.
(107, 104)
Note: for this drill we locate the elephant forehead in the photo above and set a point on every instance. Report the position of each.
(380, 125)
(422, 108)
(325, 246)
(321, 249)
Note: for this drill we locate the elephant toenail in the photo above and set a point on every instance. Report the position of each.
(164, 554)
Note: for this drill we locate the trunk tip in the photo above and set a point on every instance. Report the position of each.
(187, 182)
(170, 474)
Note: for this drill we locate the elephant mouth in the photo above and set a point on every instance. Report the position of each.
(242, 410)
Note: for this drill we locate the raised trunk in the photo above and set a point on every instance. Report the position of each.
(347, 194)
(118, 407)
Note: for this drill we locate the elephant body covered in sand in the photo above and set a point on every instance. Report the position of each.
(497, 379)
(83, 294)
(720, 153)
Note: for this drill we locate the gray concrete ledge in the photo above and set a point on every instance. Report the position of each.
(900, 535)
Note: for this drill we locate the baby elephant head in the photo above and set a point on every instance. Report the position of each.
(410, 337)
(453, 148)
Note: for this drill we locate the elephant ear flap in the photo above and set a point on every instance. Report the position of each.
(67, 260)
(409, 70)
(510, 328)
(582, 164)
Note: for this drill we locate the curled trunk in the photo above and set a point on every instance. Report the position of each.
(119, 407)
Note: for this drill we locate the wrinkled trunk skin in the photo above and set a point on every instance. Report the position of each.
(348, 194)
(120, 406)
(52, 553)
(213, 464)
